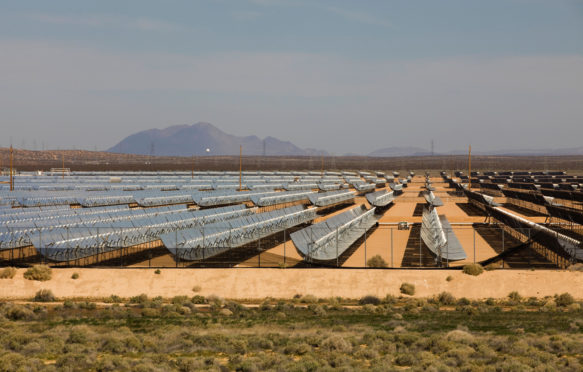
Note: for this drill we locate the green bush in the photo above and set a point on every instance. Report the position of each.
(196, 288)
(75, 276)
(198, 299)
(373, 300)
(7, 273)
(38, 272)
(515, 296)
(113, 299)
(141, 299)
(376, 261)
(157, 272)
(44, 295)
(446, 298)
(473, 269)
(449, 278)
(408, 289)
(564, 299)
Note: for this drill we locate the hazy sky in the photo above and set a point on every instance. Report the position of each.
(344, 76)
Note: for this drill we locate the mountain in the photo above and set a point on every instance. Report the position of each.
(188, 140)
(399, 151)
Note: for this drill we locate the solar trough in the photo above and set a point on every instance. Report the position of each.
(332, 197)
(281, 198)
(210, 240)
(559, 243)
(363, 187)
(380, 198)
(327, 240)
(439, 237)
(431, 199)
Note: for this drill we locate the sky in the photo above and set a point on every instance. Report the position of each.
(342, 76)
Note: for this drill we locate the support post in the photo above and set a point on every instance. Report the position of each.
(240, 164)
(420, 243)
(470, 168)
(474, 245)
(392, 265)
(502, 247)
(336, 247)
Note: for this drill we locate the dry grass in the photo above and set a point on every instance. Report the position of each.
(408, 289)
(7, 273)
(38, 272)
(473, 269)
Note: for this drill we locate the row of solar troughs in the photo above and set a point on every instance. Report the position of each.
(569, 247)
(60, 233)
(32, 182)
(218, 191)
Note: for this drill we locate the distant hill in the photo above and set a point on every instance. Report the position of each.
(187, 140)
(399, 151)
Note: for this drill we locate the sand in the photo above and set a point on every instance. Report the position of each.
(285, 283)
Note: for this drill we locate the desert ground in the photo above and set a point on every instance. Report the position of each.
(285, 283)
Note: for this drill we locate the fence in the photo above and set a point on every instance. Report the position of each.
(493, 244)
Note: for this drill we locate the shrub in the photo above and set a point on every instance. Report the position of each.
(373, 300)
(404, 359)
(317, 309)
(449, 278)
(180, 300)
(446, 298)
(157, 272)
(196, 288)
(492, 266)
(141, 299)
(376, 261)
(576, 267)
(44, 295)
(336, 343)
(564, 300)
(473, 269)
(515, 297)
(463, 302)
(114, 299)
(198, 300)
(38, 272)
(7, 273)
(408, 289)
(309, 299)
(75, 276)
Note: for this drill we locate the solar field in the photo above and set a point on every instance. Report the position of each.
(292, 219)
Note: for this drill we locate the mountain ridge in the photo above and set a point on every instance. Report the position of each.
(195, 139)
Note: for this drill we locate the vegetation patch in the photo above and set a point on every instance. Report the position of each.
(473, 269)
(44, 295)
(158, 334)
(408, 289)
(7, 273)
(377, 261)
(38, 272)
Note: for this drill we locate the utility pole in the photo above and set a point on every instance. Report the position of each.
(432, 153)
(470, 168)
(11, 171)
(192, 172)
(322, 158)
(63, 167)
(240, 165)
